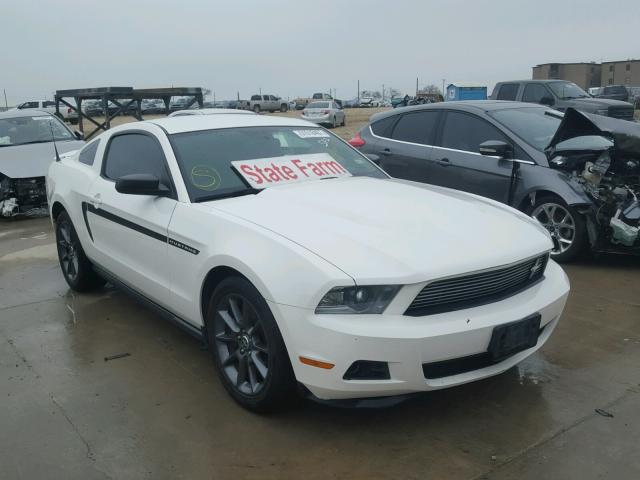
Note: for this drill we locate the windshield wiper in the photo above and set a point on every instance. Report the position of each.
(237, 193)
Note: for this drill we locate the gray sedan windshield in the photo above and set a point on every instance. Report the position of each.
(536, 126)
(32, 129)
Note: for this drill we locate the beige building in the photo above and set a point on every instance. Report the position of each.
(624, 72)
(584, 74)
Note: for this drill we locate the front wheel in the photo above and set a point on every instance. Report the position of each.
(256, 108)
(566, 226)
(76, 267)
(248, 350)
(284, 107)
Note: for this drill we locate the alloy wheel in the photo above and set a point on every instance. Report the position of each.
(560, 224)
(68, 251)
(241, 345)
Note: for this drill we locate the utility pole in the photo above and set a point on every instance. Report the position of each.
(358, 92)
(383, 92)
(260, 89)
(443, 86)
(416, 86)
(5, 99)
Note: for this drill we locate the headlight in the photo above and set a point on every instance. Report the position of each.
(350, 300)
(602, 111)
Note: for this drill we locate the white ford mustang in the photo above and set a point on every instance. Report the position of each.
(300, 262)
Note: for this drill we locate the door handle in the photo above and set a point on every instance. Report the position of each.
(386, 152)
(96, 201)
(445, 162)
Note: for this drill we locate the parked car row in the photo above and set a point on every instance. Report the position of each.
(66, 113)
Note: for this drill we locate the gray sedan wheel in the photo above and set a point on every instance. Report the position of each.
(566, 226)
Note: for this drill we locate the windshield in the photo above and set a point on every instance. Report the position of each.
(318, 105)
(35, 129)
(536, 126)
(568, 90)
(614, 90)
(205, 157)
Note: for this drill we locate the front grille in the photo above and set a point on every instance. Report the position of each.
(477, 288)
(624, 113)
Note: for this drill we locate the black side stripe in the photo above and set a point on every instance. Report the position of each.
(134, 226)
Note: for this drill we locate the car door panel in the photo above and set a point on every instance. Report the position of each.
(129, 232)
(463, 168)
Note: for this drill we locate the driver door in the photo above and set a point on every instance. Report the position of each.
(129, 232)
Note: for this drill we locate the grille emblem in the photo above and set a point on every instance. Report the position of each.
(535, 268)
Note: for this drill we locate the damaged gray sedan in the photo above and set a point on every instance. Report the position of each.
(577, 173)
(27, 140)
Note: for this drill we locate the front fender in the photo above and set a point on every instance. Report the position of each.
(555, 181)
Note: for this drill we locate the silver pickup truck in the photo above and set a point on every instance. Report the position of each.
(263, 103)
(49, 106)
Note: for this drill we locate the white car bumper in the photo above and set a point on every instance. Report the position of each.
(406, 342)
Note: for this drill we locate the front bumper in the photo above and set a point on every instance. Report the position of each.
(406, 343)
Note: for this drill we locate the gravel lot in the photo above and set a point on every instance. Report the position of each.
(570, 411)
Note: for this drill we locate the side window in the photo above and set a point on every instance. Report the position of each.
(417, 127)
(508, 91)
(534, 93)
(382, 128)
(88, 153)
(466, 132)
(134, 153)
(48, 104)
(29, 105)
(256, 97)
(272, 98)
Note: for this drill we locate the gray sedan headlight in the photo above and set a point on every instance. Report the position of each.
(362, 299)
(602, 111)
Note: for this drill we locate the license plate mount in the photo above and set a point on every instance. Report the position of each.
(514, 337)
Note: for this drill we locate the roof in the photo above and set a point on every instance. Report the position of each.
(535, 80)
(463, 105)
(190, 123)
(27, 112)
(467, 85)
(567, 63)
(211, 111)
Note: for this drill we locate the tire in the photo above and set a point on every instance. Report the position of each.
(334, 124)
(248, 350)
(344, 120)
(571, 240)
(256, 108)
(76, 267)
(284, 107)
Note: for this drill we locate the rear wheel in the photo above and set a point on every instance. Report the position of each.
(284, 107)
(247, 347)
(344, 120)
(334, 124)
(76, 267)
(256, 108)
(566, 226)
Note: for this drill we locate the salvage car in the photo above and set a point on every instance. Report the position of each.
(301, 263)
(577, 173)
(27, 139)
(325, 113)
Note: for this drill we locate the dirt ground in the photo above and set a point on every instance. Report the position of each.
(356, 118)
(571, 411)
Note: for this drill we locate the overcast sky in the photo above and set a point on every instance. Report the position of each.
(296, 47)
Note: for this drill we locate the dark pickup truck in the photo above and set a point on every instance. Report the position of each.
(560, 95)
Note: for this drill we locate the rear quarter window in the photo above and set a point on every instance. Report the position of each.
(88, 153)
(508, 91)
(383, 127)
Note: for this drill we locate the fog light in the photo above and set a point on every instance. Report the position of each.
(367, 370)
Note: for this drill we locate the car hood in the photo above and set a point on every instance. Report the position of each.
(624, 134)
(24, 161)
(393, 231)
(593, 104)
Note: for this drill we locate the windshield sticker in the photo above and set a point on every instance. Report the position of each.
(44, 118)
(267, 172)
(312, 133)
(205, 178)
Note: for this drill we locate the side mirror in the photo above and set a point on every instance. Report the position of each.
(141, 184)
(496, 148)
(548, 101)
(78, 135)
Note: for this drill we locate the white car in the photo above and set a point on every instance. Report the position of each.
(300, 262)
(49, 106)
(325, 113)
(211, 111)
